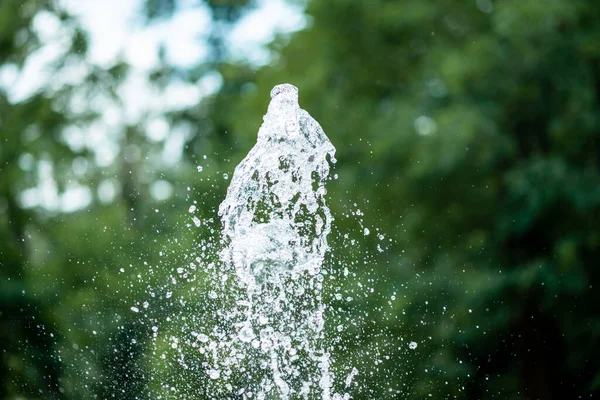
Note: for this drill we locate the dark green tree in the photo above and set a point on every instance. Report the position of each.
(467, 133)
(28, 129)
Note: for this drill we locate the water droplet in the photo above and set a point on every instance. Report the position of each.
(246, 334)
(202, 338)
(412, 345)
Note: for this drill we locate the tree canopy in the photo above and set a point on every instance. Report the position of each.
(467, 146)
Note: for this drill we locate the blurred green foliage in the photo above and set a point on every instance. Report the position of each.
(467, 133)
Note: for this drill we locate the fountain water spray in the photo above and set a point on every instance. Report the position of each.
(270, 343)
(258, 329)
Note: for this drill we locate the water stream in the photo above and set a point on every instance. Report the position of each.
(275, 223)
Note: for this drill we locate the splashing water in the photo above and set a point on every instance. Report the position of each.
(269, 342)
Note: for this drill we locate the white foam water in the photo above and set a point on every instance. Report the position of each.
(269, 342)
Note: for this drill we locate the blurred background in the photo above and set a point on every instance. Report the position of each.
(467, 138)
